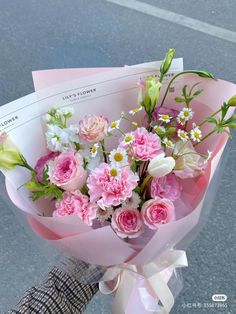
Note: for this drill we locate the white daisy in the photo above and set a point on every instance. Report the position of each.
(165, 118)
(133, 201)
(181, 119)
(196, 134)
(114, 125)
(94, 150)
(168, 143)
(183, 135)
(114, 171)
(118, 157)
(135, 110)
(128, 139)
(187, 113)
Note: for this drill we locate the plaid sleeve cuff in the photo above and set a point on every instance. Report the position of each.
(58, 293)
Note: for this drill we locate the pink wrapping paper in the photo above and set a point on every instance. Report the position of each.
(95, 246)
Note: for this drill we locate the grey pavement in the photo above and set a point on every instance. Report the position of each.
(45, 34)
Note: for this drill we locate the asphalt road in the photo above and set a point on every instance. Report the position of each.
(86, 33)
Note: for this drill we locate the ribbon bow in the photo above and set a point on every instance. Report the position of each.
(154, 277)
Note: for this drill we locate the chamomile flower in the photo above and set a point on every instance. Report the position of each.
(165, 118)
(181, 119)
(94, 150)
(114, 172)
(168, 143)
(187, 113)
(118, 157)
(183, 135)
(159, 129)
(128, 139)
(135, 110)
(114, 125)
(196, 134)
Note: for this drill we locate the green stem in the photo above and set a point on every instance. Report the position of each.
(145, 182)
(104, 151)
(205, 137)
(212, 115)
(172, 80)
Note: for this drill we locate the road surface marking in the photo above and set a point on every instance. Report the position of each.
(182, 20)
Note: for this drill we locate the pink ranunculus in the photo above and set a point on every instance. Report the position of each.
(188, 163)
(41, 164)
(113, 190)
(67, 171)
(146, 145)
(93, 128)
(75, 203)
(127, 222)
(168, 187)
(157, 211)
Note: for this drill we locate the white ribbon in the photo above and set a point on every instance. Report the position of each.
(121, 279)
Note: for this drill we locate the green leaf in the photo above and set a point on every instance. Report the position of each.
(205, 74)
(179, 99)
(134, 166)
(197, 93)
(184, 91)
(210, 119)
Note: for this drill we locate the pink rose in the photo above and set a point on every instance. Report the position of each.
(127, 222)
(75, 203)
(166, 187)
(41, 163)
(67, 172)
(93, 128)
(188, 163)
(112, 190)
(157, 211)
(146, 145)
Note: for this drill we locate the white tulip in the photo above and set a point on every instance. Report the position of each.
(161, 166)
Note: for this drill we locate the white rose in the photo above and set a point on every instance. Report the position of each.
(161, 166)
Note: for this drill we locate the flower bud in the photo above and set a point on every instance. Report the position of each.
(161, 166)
(9, 154)
(9, 158)
(165, 66)
(232, 101)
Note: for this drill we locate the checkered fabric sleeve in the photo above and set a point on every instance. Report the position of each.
(59, 292)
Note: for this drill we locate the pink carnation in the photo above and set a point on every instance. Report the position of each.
(127, 222)
(113, 190)
(67, 171)
(75, 203)
(157, 211)
(168, 186)
(42, 162)
(93, 128)
(146, 145)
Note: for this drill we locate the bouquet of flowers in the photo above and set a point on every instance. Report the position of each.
(134, 185)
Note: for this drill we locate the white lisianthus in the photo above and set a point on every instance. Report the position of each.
(161, 166)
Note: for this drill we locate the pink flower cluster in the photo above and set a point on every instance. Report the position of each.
(129, 222)
(112, 190)
(146, 145)
(75, 203)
